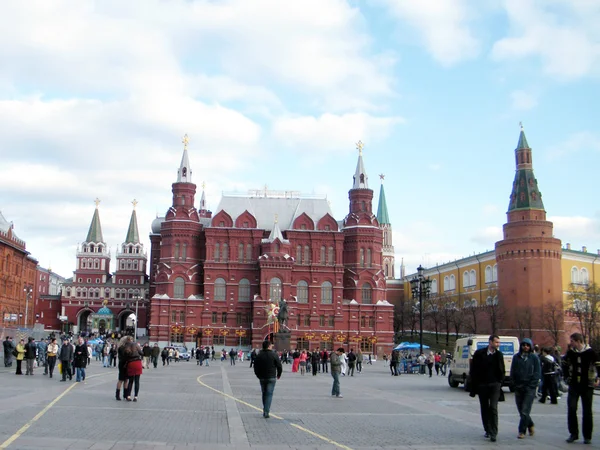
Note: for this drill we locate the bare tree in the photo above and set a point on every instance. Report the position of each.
(458, 319)
(494, 309)
(524, 322)
(471, 310)
(447, 311)
(432, 311)
(585, 303)
(553, 319)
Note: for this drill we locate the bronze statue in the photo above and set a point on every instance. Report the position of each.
(282, 316)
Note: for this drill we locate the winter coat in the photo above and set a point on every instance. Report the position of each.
(80, 356)
(525, 370)
(267, 365)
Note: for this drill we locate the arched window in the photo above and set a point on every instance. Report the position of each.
(452, 282)
(176, 254)
(217, 254)
(446, 283)
(306, 254)
(225, 252)
(179, 288)
(584, 276)
(241, 253)
(275, 289)
(466, 279)
(220, 287)
(330, 256)
(299, 254)
(385, 270)
(302, 291)
(362, 257)
(96, 263)
(434, 286)
(322, 255)
(367, 294)
(574, 275)
(472, 278)
(495, 273)
(244, 290)
(488, 274)
(369, 261)
(248, 252)
(83, 263)
(326, 293)
(184, 252)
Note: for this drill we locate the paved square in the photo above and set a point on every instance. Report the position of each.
(184, 406)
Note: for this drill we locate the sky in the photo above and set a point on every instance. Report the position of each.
(95, 97)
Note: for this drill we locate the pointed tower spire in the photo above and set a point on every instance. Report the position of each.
(382, 210)
(276, 232)
(133, 235)
(184, 173)
(360, 176)
(95, 231)
(525, 193)
(203, 198)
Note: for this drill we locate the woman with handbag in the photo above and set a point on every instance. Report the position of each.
(20, 355)
(52, 351)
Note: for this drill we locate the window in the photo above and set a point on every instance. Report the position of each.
(472, 278)
(366, 346)
(307, 320)
(179, 288)
(369, 262)
(446, 283)
(371, 322)
(584, 277)
(275, 289)
(238, 318)
(574, 275)
(302, 291)
(306, 254)
(495, 273)
(488, 274)
(176, 251)
(176, 337)
(363, 321)
(452, 282)
(241, 253)
(302, 344)
(434, 286)
(326, 293)
(299, 254)
(220, 288)
(217, 252)
(244, 290)
(362, 257)
(248, 252)
(214, 317)
(322, 256)
(225, 255)
(367, 294)
(466, 279)
(224, 317)
(331, 321)
(184, 256)
(321, 321)
(330, 256)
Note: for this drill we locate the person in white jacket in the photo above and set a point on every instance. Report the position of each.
(344, 361)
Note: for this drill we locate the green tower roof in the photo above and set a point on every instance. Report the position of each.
(95, 232)
(522, 141)
(525, 193)
(382, 211)
(133, 235)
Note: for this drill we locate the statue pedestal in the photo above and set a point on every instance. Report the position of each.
(281, 340)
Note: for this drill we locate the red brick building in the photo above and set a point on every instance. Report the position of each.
(214, 277)
(18, 280)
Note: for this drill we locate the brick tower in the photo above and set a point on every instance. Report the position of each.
(389, 258)
(529, 268)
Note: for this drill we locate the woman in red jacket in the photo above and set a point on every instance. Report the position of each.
(133, 356)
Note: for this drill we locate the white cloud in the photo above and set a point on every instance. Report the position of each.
(582, 141)
(564, 34)
(332, 133)
(523, 101)
(585, 230)
(443, 24)
(487, 236)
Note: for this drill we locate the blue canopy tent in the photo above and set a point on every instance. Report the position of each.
(409, 346)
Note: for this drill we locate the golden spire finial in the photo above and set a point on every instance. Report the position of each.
(203, 185)
(359, 147)
(185, 141)
(97, 202)
(276, 218)
(134, 203)
(381, 177)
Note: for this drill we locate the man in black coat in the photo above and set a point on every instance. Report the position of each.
(267, 368)
(65, 357)
(8, 349)
(30, 355)
(487, 374)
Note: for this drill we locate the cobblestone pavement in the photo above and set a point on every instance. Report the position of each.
(184, 406)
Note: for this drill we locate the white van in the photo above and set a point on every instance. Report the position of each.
(463, 355)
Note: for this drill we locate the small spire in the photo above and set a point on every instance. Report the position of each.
(133, 235)
(203, 198)
(360, 176)
(522, 139)
(95, 231)
(382, 209)
(184, 174)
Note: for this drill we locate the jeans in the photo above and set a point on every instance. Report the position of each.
(267, 386)
(80, 373)
(549, 388)
(66, 370)
(524, 400)
(51, 364)
(335, 389)
(106, 362)
(587, 396)
(325, 367)
(29, 366)
(133, 383)
(489, 394)
(155, 361)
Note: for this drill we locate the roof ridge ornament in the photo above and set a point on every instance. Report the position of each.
(359, 147)
(185, 141)
(134, 203)
(97, 202)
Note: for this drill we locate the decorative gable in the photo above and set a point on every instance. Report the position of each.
(245, 220)
(303, 222)
(222, 220)
(327, 223)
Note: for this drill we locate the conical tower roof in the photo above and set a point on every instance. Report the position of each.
(184, 173)
(525, 193)
(361, 180)
(382, 211)
(133, 235)
(95, 231)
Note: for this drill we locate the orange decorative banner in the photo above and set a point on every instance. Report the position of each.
(223, 332)
(176, 329)
(208, 332)
(240, 333)
(325, 338)
(340, 338)
(355, 338)
(192, 330)
(310, 336)
(373, 339)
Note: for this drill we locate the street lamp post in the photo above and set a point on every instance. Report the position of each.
(28, 291)
(420, 286)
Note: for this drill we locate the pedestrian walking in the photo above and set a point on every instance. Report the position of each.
(65, 357)
(9, 348)
(134, 368)
(147, 354)
(324, 360)
(268, 369)
(315, 361)
(20, 355)
(583, 375)
(155, 355)
(359, 361)
(487, 375)
(252, 357)
(351, 362)
(52, 352)
(80, 359)
(525, 375)
(549, 373)
(30, 355)
(336, 369)
(122, 376)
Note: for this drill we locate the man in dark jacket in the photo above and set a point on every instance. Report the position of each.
(30, 355)
(66, 356)
(487, 374)
(583, 374)
(8, 349)
(525, 377)
(155, 354)
(267, 368)
(80, 358)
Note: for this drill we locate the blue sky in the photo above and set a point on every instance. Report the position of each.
(95, 97)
